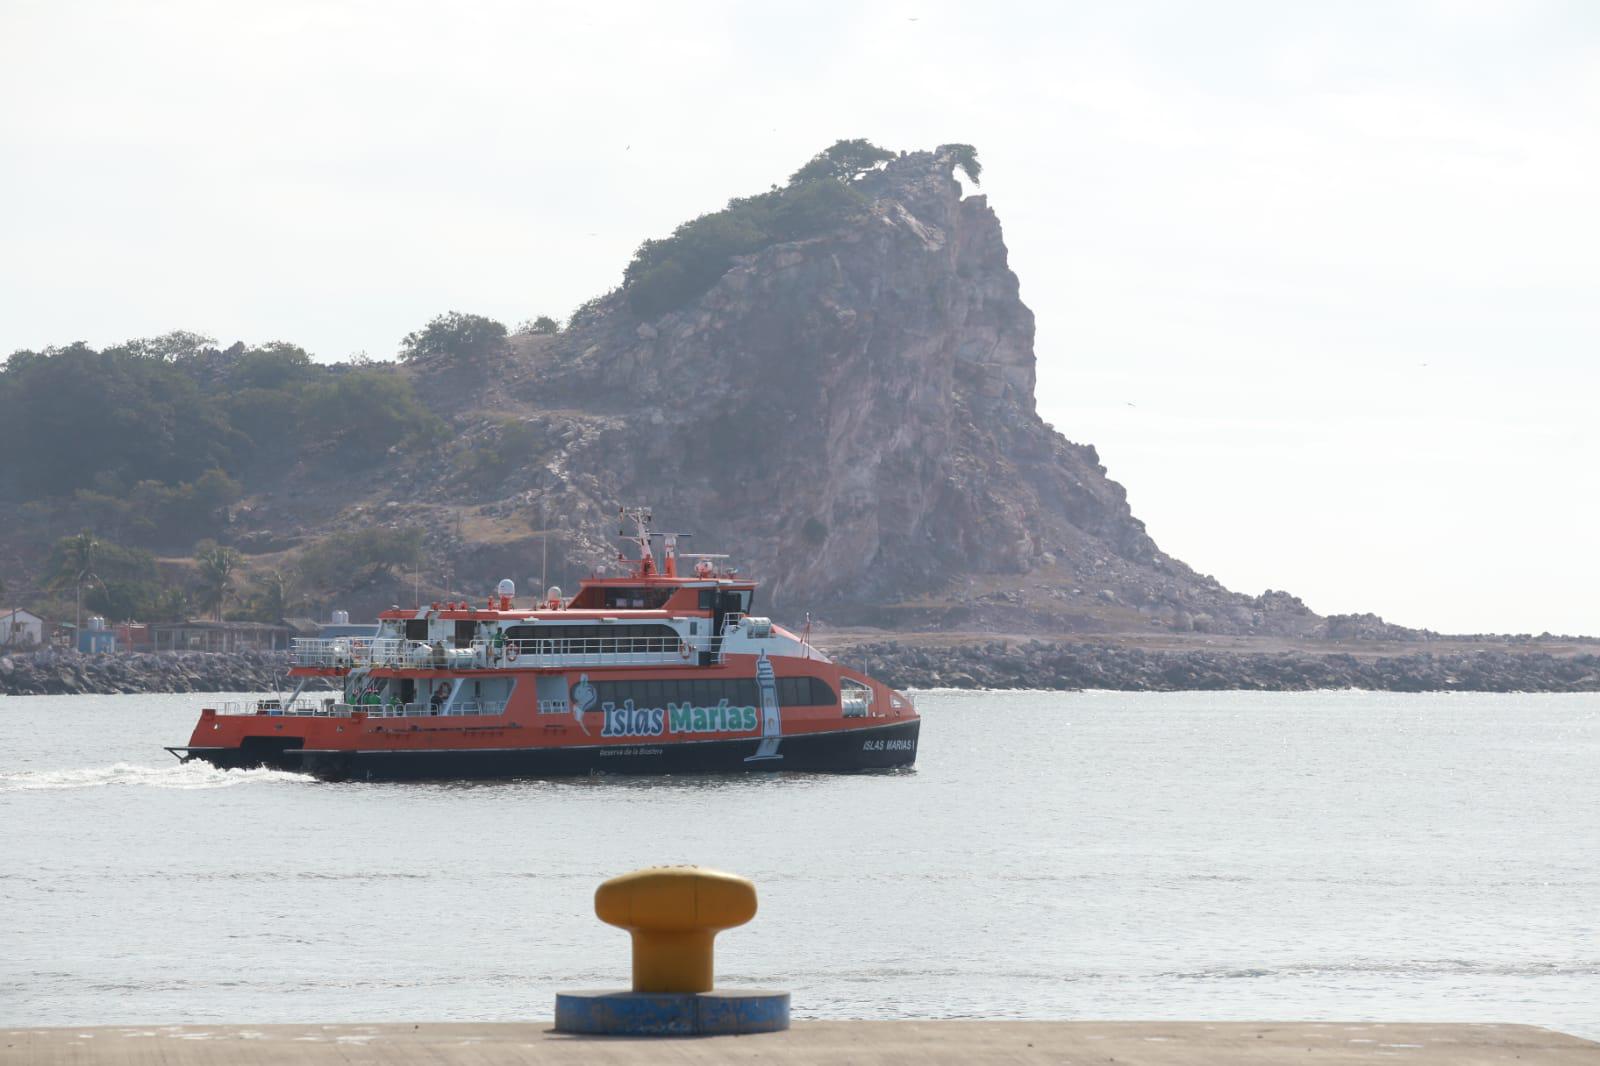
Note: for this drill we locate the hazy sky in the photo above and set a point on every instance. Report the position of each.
(1321, 281)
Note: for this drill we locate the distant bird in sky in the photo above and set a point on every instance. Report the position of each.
(1130, 403)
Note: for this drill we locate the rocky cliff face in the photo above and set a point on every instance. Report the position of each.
(853, 416)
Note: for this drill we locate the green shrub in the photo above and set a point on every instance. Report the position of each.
(544, 325)
(366, 412)
(457, 336)
(344, 561)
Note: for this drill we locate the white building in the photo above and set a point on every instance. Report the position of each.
(20, 629)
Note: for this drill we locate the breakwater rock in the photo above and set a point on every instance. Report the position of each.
(1057, 665)
(979, 664)
(54, 673)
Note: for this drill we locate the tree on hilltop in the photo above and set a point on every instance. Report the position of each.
(175, 346)
(544, 325)
(843, 161)
(456, 336)
(964, 156)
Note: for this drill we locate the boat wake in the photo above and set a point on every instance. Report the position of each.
(189, 775)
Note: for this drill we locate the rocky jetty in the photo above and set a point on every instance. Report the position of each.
(51, 673)
(1052, 665)
(996, 664)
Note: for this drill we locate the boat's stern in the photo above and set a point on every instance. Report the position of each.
(246, 741)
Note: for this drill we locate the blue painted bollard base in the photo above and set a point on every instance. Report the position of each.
(718, 1012)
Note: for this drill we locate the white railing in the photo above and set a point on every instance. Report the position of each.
(337, 651)
(395, 653)
(476, 707)
(330, 707)
(428, 710)
(308, 707)
(596, 651)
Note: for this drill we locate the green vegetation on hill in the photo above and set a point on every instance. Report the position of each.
(345, 561)
(155, 434)
(117, 582)
(668, 272)
(149, 444)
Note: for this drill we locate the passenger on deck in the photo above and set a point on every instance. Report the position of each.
(440, 696)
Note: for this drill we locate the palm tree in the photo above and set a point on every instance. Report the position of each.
(78, 556)
(217, 565)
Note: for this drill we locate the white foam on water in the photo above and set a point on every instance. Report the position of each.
(189, 775)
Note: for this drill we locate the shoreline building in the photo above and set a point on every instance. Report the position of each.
(20, 629)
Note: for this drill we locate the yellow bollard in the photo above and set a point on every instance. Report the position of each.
(674, 913)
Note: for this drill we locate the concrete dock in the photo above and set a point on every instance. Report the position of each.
(904, 1043)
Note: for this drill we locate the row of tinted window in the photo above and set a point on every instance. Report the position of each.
(649, 599)
(565, 632)
(743, 692)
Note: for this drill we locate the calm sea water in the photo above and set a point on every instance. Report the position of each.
(1053, 855)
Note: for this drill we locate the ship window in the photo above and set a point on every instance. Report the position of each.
(637, 599)
(416, 629)
(726, 600)
(591, 632)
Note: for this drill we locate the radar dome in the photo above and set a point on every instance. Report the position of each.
(553, 592)
(507, 587)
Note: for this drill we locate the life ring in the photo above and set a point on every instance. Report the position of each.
(511, 653)
(684, 651)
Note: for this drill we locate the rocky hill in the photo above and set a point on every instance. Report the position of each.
(853, 415)
(846, 405)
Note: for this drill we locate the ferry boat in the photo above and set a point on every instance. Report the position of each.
(645, 672)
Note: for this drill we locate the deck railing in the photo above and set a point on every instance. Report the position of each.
(597, 651)
(330, 707)
(395, 653)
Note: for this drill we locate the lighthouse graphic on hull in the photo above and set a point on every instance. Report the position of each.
(771, 714)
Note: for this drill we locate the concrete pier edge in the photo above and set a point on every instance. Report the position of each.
(869, 1043)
